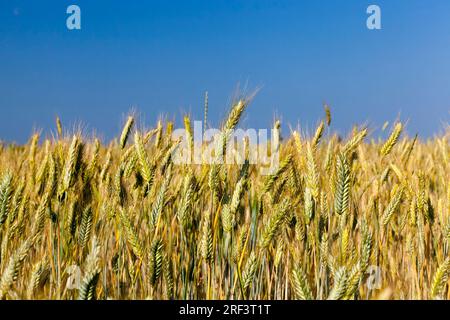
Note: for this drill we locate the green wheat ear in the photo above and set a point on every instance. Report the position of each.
(39, 275)
(71, 166)
(85, 227)
(440, 279)
(273, 225)
(155, 261)
(318, 135)
(87, 289)
(5, 197)
(206, 242)
(250, 269)
(342, 195)
(340, 284)
(126, 132)
(159, 201)
(300, 284)
(147, 171)
(392, 140)
(132, 236)
(392, 206)
(59, 127)
(354, 142)
(11, 273)
(327, 114)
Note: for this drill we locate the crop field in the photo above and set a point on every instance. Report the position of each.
(341, 217)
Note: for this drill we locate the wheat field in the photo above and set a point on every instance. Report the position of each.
(352, 217)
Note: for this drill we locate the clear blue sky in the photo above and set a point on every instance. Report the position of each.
(160, 57)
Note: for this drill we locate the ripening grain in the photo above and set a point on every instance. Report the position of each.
(84, 220)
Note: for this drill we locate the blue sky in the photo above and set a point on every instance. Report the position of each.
(160, 56)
